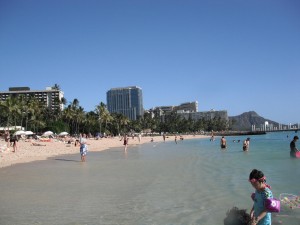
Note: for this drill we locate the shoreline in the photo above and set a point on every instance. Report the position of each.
(27, 152)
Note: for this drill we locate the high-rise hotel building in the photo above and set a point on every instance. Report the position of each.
(50, 97)
(127, 101)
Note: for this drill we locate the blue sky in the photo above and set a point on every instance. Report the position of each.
(233, 55)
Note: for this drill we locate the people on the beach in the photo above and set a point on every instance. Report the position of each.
(223, 142)
(83, 147)
(176, 139)
(212, 138)
(76, 142)
(6, 138)
(237, 216)
(37, 144)
(13, 142)
(293, 148)
(28, 152)
(259, 214)
(33, 143)
(246, 144)
(125, 142)
(164, 137)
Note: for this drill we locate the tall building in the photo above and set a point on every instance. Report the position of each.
(50, 97)
(127, 101)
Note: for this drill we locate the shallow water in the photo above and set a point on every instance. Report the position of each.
(193, 182)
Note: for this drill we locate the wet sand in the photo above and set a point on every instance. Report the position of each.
(27, 152)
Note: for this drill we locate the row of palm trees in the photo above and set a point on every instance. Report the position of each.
(33, 115)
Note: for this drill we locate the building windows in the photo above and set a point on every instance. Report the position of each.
(127, 101)
(46, 96)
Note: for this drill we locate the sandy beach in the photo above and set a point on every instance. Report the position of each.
(27, 152)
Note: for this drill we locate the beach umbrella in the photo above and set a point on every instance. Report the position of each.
(28, 132)
(19, 132)
(63, 133)
(47, 133)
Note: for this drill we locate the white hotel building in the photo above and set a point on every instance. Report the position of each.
(50, 97)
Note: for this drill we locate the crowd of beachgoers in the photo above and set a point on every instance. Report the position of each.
(28, 149)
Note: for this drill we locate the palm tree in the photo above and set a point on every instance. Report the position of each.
(91, 120)
(36, 113)
(148, 122)
(67, 115)
(75, 115)
(10, 108)
(23, 104)
(103, 115)
(117, 122)
(75, 103)
(123, 121)
(79, 118)
(56, 87)
(63, 101)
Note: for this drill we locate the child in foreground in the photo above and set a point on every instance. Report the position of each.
(259, 214)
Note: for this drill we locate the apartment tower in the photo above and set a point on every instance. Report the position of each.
(127, 101)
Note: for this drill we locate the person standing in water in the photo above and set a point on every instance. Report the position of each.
(223, 142)
(293, 147)
(246, 144)
(83, 147)
(125, 143)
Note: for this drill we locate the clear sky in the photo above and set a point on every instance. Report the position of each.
(234, 55)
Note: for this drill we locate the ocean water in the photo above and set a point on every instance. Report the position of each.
(192, 182)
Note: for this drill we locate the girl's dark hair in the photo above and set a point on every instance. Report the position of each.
(256, 174)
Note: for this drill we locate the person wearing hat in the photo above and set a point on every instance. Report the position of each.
(293, 147)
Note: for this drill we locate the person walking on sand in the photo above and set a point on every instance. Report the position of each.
(223, 142)
(83, 147)
(13, 142)
(293, 147)
(259, 214)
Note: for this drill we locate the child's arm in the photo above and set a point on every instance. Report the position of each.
(253, 219)
(252, 212)
(262, 215)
